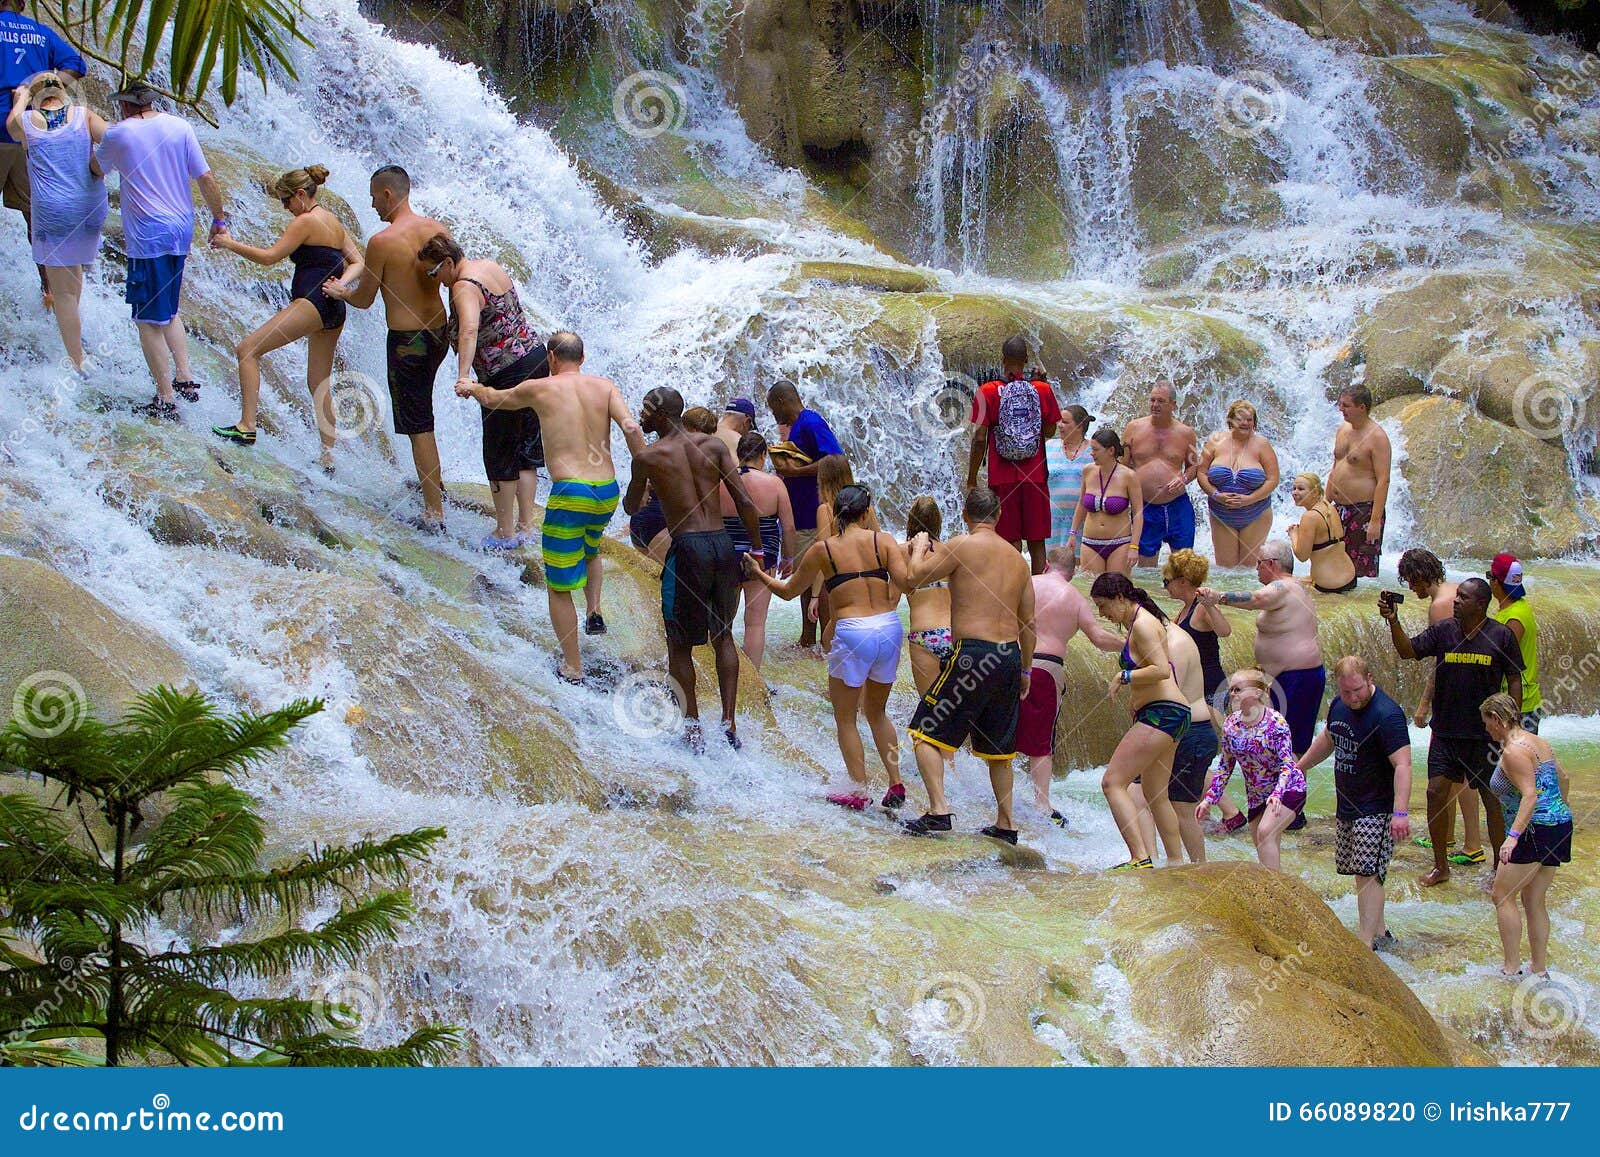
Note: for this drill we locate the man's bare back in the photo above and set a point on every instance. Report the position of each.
(685, 469)
(1159, 455)
(575, 414)
(411, 300)
(1060, 612)
(1356, 454)
(991, 588)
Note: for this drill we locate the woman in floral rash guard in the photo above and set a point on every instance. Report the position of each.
(1255, 738)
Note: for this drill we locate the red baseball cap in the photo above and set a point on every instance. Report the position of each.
(1507, 569)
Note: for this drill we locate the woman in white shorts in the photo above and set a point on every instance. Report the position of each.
(864, 573)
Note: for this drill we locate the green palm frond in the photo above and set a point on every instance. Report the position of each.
(127, 35)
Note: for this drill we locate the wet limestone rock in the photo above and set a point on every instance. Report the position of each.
(56, 631)
(1479, 487)
(1241, 965)
(1381, 27)
(1422, 115)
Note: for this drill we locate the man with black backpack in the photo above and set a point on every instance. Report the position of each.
(1014, 417)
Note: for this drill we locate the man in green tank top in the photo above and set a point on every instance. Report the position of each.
(1513, 610)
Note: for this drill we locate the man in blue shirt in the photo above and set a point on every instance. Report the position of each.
(27, 48)
(1371, 748)
(814, 439)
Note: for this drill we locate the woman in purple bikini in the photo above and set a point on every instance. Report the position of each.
(1110, 514)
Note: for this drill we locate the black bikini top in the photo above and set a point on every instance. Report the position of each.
(1331, 541)
(839, 577)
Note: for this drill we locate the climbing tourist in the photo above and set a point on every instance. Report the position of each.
(1059, 613)
(58, 136)
(1532, 790)
(700, 420)
(929, 605)
(737, 420)
(1012, 420)
(1065, 456)
(27, 48)
(864, 572)
(1160, 718)
(807, 440)
(771, 497)
(1255, 739)
(1358, 485)
(1238, 472)
(576, 412)
(700, 581)
(1473, 657)
(976, 694)
(1423, 573)
(492, 336)
(1286, 646)
(316, 243)
(1366, 733)
(1161, 450)
(1110, 509)
(1514, 612)
(1183, 575)
(647, 529)
(1319, 537)
(158, 157)
(418, 331)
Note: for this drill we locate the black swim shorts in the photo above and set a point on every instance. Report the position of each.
(511, 441)
(1469, 761)
(976, 696)
(700, 587)
(414, 360)
(1197, 751)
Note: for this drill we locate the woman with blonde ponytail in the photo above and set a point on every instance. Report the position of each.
(316, 242)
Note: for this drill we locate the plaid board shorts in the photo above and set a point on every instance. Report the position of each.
(1363, 847)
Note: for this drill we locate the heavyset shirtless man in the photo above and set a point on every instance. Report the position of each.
(1163, 452)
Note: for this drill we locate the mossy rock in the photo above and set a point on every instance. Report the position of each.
(67, 643)
(1421, 111)
(1479, 487)
(887, 279)
(1381, 27)
(1167, 270)
(1407, 332)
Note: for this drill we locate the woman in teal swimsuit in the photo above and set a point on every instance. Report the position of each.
(1533, 793)
(1160, 717)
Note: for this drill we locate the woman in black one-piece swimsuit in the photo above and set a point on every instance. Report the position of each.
(321, 250)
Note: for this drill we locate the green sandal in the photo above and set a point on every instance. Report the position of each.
(1426, 842)
(235, 435)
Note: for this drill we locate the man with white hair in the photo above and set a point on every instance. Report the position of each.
(1286, 638)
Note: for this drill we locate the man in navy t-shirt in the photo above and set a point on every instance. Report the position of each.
(27, 48)
(814, 439)
(1371, 748)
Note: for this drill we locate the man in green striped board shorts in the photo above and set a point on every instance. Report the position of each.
(575, 414)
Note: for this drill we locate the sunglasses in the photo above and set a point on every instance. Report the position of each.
(434, 272)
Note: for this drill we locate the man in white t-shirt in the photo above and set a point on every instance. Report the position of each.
(158, 156)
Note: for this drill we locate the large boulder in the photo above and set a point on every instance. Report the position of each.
(76, 652)
(1479, 487)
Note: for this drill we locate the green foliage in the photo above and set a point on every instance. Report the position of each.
(74, 908)
(126, 35)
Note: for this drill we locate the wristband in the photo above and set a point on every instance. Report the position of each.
(1403, 815)
(1127, 676)
(1513, 835)
(219, 222)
